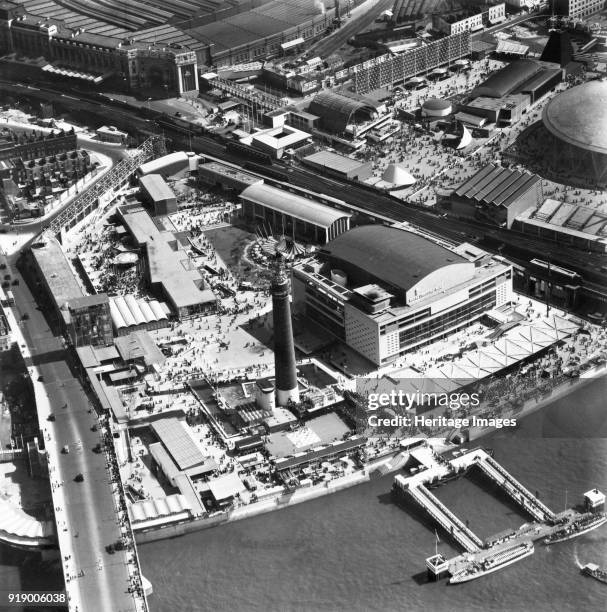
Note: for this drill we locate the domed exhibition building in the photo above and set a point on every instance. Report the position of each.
(577, 122)
(569, 144)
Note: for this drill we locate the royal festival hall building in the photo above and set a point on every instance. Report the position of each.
(386, 291)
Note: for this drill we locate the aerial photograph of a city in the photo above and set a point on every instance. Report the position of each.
(303, 305)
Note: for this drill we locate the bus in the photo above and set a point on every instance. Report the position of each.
(6, 298)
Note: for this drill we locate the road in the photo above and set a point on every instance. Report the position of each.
(86, 519)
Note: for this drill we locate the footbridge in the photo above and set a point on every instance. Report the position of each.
(519, 493)
(441, 514)
(102, 192)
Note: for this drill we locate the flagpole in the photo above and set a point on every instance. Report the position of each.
(436, 542)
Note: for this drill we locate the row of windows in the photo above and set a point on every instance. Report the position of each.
(320, 317)
(408, 320)
(475, 291)
(274, 47)
(331, 304)
(436, 325)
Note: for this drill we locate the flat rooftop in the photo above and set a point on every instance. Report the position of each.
(230, 172)
(178, 442)
(575, 220)
(267, 20)
(139, 224)
(170, 267)
(334, 161)
(156, 187)
(56, 270)
(280, 137)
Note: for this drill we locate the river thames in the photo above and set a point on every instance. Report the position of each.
(357, 550)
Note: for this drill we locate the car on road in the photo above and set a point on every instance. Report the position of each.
(79, 478)
(66, 449)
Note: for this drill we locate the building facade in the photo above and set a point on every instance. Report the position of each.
(34, 145)
(141, 65)
(457, 23)
(6, 336)
(90, 322)
(386, 291)
(577, 8)
(389, 70)
(85, 318)
(70, 164)
(292, 215)
(496, 195)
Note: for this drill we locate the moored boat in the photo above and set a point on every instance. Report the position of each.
(579, 527)
(499, 560)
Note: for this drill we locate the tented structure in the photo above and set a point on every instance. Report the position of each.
(515, 345)
(397, 174)
(465, 140)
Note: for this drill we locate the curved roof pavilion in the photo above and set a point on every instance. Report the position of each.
(398, 258)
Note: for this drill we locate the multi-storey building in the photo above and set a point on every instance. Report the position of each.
(6, 337)
(577, 8)
(472, 19)
(70, 164)
(133, 64)
(90, 322)
(33, 145)
(86, 319)
(385, 291)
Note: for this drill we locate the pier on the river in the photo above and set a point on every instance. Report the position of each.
(431, 468)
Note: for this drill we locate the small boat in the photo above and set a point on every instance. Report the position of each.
(594, 571)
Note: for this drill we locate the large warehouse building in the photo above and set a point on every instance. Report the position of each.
(576, 120)
(158, 194)
(387, 291)
(565, 223)
(337, 111)
(168, 269)
(526, 76)
(86, 318)
(292, 215)
(495, 194)
(269, 30)
(339, 165)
